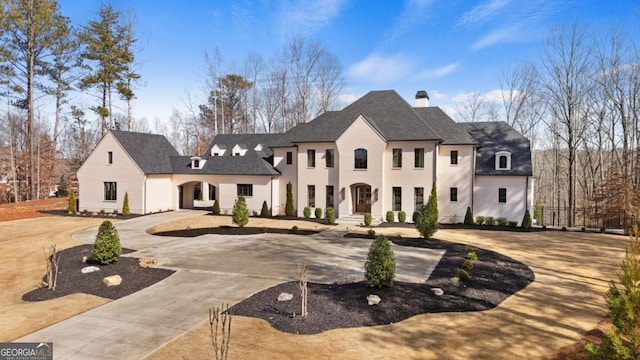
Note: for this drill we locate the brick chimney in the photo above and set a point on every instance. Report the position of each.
(422, 99)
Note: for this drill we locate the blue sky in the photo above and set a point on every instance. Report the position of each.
(449, 48)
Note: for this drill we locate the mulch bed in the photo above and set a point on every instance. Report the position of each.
(232, 230)
(71, 280)
(494, 278)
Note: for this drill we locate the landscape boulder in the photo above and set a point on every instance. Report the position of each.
(285, 297)
(89, 269)
(373, 299)
(437, 291)
(112, 280)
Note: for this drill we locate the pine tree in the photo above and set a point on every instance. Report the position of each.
(380, 268)
(240, 215)
(125, 205)
(427, 220)
(289, 210)
(106, 248)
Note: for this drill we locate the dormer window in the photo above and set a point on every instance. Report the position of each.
(197, 162)
(503, 160)
(258, 147)
(239, 150)
(218, 150)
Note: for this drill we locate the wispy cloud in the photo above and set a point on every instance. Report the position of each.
(438, 72)
(414, 13)
(382, 69)
(500, 35)
(482, 13)
(308, 16)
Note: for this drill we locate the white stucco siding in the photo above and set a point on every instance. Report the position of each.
(288, 174)
(320, 176)
(96, 170)
(158, 189)
(486, 196)
(408, 177)
(458, 176)
(360, 135)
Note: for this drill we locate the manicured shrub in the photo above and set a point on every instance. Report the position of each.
(380, 268)
(318, 213)
(463, 275)
(512, 223)
(414, 217)
(402, 217)
(480, 220)
(502, 221)
(306, 212)
(526, 220)
(371, 232)
(72, 207)
(264, 212)
(240, 214)
(468, 217)
(125, 205)
(367, 219)
(216, 208)
(390, 216)
(427, 223)
(490, 220)
(330, 215)
(289, 210)
(467, 264)
(106, 248)
(294, 229)
(471, 255)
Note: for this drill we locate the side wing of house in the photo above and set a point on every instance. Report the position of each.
(455, 176)
(106, 175)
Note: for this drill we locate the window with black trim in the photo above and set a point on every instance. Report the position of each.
(502, 195)
(397, 158)
(360, 158)
(418, 197)
(329, 200)
(110, 191)
(289, 157)
(329, 158)
(311, 196)
(502, 162)
(245, 189)
(454, 157)
(453, 194)
(419, 158)
(212, 192)
(110, 157)
(397, 199)
(311, 158)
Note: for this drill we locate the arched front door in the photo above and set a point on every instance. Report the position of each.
(362, 199)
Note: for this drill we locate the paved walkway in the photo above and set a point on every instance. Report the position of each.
(211, 270)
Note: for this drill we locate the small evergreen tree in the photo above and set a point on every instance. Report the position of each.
(318, 213)
(72, 208)
(289, 210)
(380, 268)
(216, 208)
(623, 340)
(240, 215)
(125, 205)
(367, 219)
(468, 217)
(106, 248)
(427, 223)
(526, 220)
(330, 215)
(265, 210)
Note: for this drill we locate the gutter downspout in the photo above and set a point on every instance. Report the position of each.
(144, 195)
(473, 179)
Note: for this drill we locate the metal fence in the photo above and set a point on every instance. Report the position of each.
(587, 217)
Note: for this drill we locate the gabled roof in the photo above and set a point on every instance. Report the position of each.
(250, 164)
(450, 131)
(499, 136)
(149, 151)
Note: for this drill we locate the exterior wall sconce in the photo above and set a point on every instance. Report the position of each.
(375, 195)
(342, 194)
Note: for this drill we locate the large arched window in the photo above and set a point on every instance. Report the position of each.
(360, 159)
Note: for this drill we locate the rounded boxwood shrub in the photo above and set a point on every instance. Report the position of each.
(463, 275)
(367, 219)
(318, 213)
(390, 216)
(330, 215)
(402, 216)
(306, 212)
(380, 268)
(479, 220)
(467, 264)
(414, 217)
(106, 248)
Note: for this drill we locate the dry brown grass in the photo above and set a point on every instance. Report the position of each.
(23, 266)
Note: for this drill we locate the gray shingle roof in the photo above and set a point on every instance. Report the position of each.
(248, 141)
(250, 164)
(450, 132)
(151, 152)
(493, 137)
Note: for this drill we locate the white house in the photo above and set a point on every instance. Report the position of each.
(377, 154)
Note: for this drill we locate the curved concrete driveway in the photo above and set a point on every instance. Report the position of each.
(210, 270)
